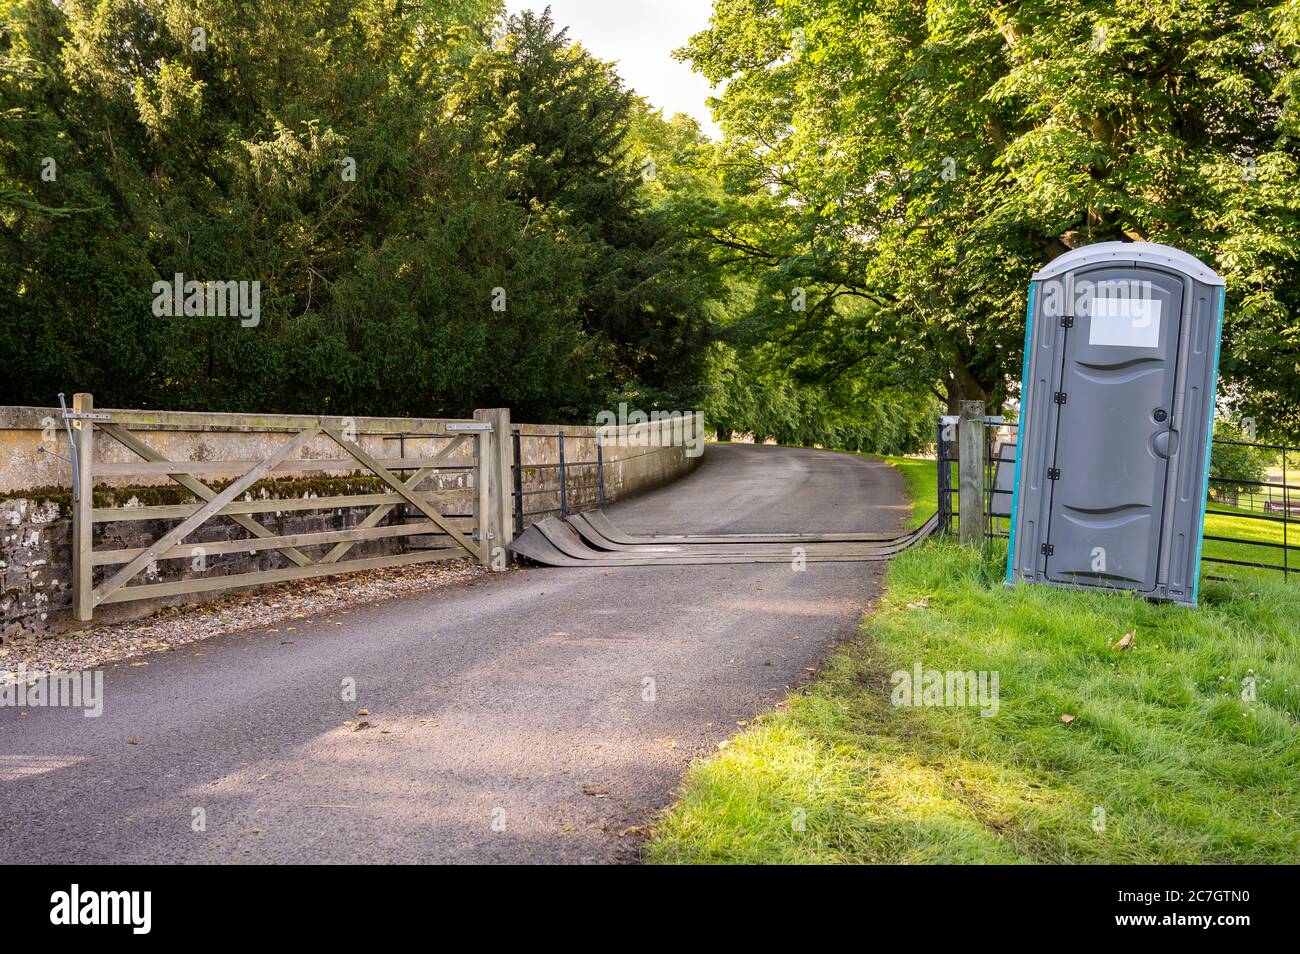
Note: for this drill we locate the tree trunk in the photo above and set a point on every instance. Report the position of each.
(962, 386)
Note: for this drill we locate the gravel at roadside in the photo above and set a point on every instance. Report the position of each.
(173, 627)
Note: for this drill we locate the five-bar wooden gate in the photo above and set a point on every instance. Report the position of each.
(482, 538)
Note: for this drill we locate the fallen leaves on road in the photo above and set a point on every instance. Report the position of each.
(597, 791)
(363, 712)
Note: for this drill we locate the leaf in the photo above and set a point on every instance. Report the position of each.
(598, 791)
(1067, 718)
(1127, 642)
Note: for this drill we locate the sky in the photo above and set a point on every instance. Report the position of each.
(639, 36)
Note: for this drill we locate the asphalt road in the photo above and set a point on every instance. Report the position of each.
(535, 716)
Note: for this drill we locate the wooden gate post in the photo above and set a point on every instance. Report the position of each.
(497, 458)
(83, 432)
(970, 473)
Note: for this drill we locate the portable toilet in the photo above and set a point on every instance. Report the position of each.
(1117, 409)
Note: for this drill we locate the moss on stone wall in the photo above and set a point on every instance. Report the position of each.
(166, 494)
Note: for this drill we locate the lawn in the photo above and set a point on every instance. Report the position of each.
(1184, 748)
(923, 483)
(1244, 527)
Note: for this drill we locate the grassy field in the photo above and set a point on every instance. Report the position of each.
(923, 483)
(1184, 748)
(1265, 531)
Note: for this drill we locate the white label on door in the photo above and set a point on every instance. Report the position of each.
(1125, 322)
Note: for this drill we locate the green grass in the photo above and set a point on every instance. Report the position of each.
(1164, 761)
(922, 478)
(923, 487)
(1223, 525)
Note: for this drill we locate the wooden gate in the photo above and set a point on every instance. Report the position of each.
(484, 535)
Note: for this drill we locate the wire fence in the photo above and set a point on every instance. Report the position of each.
(1247, 522)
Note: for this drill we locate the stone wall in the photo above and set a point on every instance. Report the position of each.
(36, 499)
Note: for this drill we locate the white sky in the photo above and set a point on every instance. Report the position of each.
(639, 36)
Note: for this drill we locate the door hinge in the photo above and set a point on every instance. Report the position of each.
(1059, 397)
(1047, 549)
(1067, 321)
(1053, 473)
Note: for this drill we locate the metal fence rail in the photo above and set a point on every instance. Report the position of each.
(1275, 505)
(593, 454)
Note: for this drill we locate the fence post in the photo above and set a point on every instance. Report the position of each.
(83, 431)
(945, 470)
(519, 482)
(564, 490)
(495, 454)
(600, 468)
(970, 473)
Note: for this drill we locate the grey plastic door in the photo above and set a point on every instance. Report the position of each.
(1114, 437)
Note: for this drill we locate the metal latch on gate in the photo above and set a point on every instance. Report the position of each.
(68, 418)
(476, 536)
(466, 426)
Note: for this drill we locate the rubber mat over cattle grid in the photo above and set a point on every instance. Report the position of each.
(592, 539)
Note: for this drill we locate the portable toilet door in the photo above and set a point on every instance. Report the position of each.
(1117, 409)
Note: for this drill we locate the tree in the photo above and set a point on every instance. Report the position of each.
(557, 125)
(922, 161)
(434, 222)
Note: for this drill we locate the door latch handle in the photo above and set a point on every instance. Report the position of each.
(1164, 443)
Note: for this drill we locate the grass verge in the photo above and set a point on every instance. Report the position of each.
(1184, 748)
(922, 477)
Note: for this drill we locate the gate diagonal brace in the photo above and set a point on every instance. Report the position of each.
(199, 489)
(200, 516)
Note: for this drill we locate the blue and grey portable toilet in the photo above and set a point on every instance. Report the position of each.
(1117, 411)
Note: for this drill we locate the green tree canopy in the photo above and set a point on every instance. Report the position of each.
(438, 221)
(910, 165)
